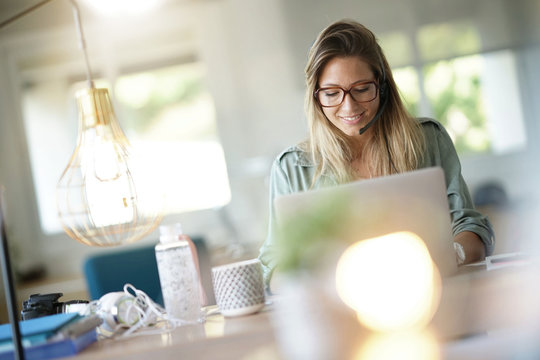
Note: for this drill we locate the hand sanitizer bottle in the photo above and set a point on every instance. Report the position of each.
(178, 277)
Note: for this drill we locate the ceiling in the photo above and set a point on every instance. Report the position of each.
(51, 13)
(9, 8)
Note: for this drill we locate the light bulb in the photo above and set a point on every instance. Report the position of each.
(99, 202)
(390, 281)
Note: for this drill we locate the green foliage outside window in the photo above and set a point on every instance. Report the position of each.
(162, 98)
(407, 82)
(454, 91)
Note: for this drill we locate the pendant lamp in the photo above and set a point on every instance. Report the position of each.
(99, 199)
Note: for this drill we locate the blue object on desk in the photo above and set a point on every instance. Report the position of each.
(54, 349)
(110, 271)
(42, 327)
(38, 334)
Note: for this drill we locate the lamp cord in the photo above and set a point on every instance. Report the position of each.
(78, 26)
(82, 42)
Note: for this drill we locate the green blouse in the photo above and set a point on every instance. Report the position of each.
(293, 171)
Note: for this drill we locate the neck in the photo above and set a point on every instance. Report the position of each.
(357, 143)
(359, 162)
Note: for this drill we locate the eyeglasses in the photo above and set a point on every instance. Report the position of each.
(334, 95)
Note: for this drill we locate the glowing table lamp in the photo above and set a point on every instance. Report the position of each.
(394, 287)
(390, 281)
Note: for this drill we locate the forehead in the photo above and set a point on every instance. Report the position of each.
(345, 71)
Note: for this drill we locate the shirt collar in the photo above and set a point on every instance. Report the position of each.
(304, 160)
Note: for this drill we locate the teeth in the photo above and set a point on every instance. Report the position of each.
(350, 118)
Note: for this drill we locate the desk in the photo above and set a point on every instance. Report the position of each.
(482, 315)
(247, 337)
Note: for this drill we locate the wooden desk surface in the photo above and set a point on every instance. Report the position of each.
(476, 317)
(246, 337)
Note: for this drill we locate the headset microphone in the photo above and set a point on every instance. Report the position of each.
(383, 96)
(377, 115)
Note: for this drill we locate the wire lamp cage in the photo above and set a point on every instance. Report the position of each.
(100, 200)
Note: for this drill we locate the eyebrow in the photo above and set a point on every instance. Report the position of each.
(351, 85)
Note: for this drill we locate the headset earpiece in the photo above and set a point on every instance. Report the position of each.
(383, 84)
(383, 88)
(383, 97)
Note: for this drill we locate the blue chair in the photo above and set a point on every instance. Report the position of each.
(110, 271)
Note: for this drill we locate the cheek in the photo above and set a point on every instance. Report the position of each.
(328, 112)
(374, 105)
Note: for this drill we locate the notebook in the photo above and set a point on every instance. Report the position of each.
(51, 336)
(38, 329)
(414, 201)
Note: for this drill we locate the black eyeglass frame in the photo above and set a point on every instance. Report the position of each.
(345, 92)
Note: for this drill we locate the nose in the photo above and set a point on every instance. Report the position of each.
(348, 102)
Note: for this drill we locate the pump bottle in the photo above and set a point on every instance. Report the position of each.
(178, 276)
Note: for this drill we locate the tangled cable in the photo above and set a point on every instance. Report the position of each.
(131, 313)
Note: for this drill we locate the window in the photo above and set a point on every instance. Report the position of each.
(167, 114)
(474, 94)
(454, 91)
(407, 80)
(170, 118)
(461, 91)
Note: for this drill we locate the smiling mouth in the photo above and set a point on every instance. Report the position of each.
(351, 120)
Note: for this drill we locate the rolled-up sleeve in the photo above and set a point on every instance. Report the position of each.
(441, 152)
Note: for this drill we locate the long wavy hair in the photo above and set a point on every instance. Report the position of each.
(397, 144)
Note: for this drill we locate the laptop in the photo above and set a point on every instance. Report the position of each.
(414, 201)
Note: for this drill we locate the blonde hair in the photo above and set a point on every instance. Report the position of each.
(397, 143)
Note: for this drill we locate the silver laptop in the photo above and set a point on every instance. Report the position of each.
(415, 201)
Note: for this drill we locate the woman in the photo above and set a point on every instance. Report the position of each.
(360, 129)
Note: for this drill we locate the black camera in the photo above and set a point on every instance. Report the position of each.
(47, 304)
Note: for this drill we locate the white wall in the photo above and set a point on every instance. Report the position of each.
(259, 110)
(21, 216)
(255, 52)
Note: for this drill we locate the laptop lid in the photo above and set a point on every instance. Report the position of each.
(414, 201)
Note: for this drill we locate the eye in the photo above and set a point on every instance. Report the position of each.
(330, 93)
(361, 89)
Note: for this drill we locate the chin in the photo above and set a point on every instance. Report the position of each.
(351, 132)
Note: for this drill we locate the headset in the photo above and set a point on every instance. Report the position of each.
(383, 88)
(383, 95)
(124, 312)
(118, 310)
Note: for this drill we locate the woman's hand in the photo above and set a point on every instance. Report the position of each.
(472, 245)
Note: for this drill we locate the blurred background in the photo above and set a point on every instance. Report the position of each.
(209, 92)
